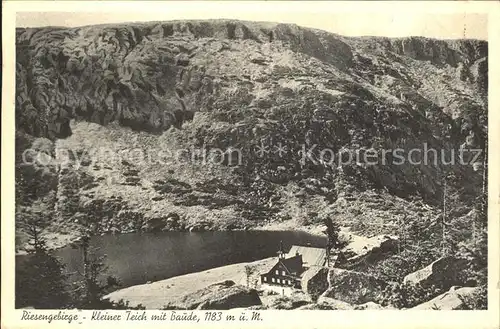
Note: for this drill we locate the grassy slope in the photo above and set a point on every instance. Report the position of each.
(156, 295)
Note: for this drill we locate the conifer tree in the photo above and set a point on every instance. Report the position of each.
(40, 280)
(94, 284)
(333, 240)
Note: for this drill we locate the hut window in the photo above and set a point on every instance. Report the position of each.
(265, 279)
(289, 282)
(278, 280)
(277, 272)
(272, 279)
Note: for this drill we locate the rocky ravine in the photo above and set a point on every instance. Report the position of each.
(192, 85)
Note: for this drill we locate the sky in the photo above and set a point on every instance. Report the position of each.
(368, 21)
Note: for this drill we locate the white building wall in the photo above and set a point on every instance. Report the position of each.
(287, 291)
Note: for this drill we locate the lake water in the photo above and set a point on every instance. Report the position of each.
(136, 258)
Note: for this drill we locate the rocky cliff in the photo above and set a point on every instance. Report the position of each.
(155, 75)
(268, 90)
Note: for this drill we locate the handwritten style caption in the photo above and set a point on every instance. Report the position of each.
(81, 317)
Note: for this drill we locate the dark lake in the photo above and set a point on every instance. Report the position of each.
(136, 258)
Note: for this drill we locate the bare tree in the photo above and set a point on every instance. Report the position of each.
(248, 272)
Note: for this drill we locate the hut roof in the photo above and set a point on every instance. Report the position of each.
(293, 264)
(311, 272)
(310, 256)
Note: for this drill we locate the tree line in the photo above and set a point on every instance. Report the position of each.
(42, 282)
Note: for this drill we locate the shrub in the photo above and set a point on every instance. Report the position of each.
(477, 301)
(402, 295)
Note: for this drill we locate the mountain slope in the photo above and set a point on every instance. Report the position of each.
(215, 85)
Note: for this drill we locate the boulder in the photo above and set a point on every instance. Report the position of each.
(287, 302)
(369, 306)
(173, 219)
(154, 225)
(198, 228)
(450, 300)
(442, 273)
(219, 296)
(157, 224)
(312, 306)
(316, 306)
(334, 304)
(361, 251)
(353, 287)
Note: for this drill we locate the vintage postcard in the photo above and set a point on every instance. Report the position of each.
(250, 164)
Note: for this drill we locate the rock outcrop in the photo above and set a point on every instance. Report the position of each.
(167, 223)
(440, 52)
(220, 296)
(333, 304)
(369, 306)
(442, 273)
(365, 251)
(353, 287)
(290, 302)
(146, 76)
(450, 300)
